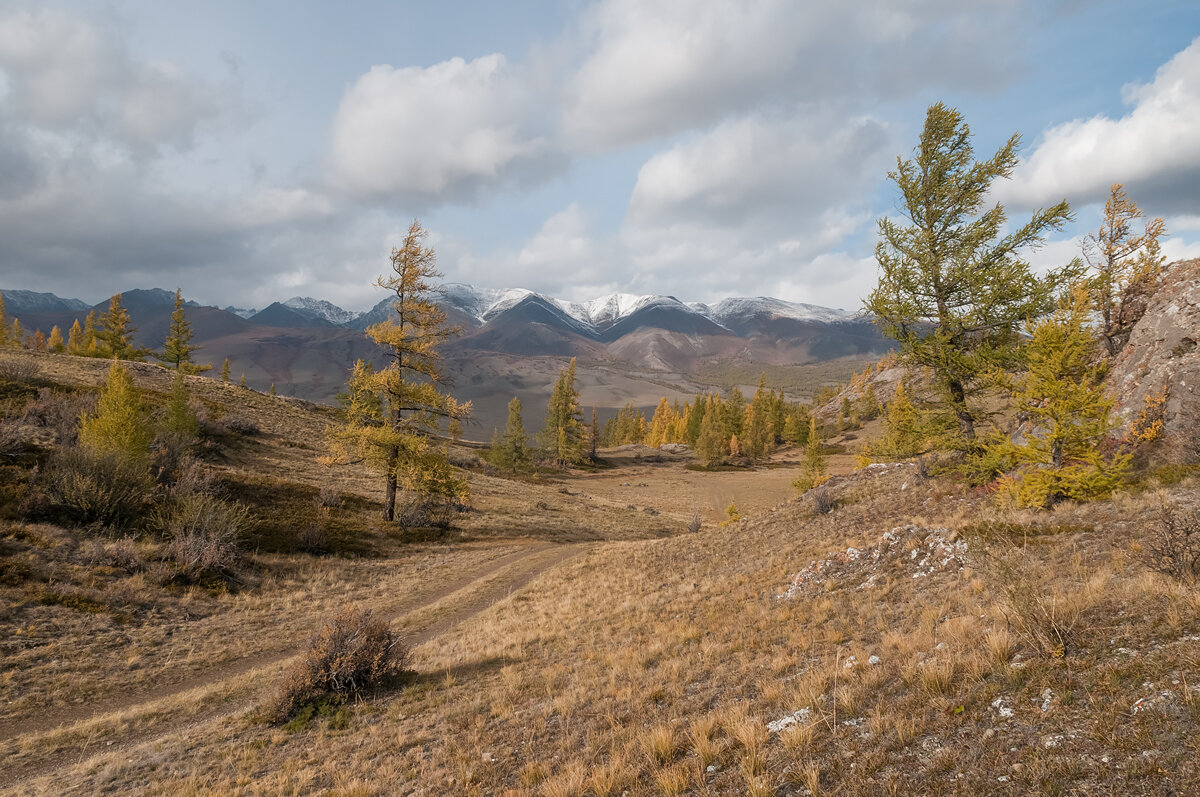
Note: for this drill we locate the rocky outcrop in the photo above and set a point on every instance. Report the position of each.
(1162, 358)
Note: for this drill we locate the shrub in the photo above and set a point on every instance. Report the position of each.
(693, 525)
(823, 501)
(60, 413)
(95, 488)
(19, 369)
(1172, 547)
(202, 533)
(352, 652)
(1047, 619)
(313, 539)
(243, 426)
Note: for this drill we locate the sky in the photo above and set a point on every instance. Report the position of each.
(251, 152)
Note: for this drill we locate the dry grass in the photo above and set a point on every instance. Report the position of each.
(654, 666)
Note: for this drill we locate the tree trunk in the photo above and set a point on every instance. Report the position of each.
(389, 501)
(966, 421)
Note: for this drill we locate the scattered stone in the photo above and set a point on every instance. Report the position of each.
(1047, 699)
(850, 663)
(795, 718)
(1002, 707)
(489, 758)
(874, 661)
(918, 550)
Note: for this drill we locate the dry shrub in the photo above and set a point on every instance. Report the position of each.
(1044, 608)
(202, 533)
(88, 488)
(59, 412)
(329, 497)
(241, 425)
(1172, 546)
(121, 553)
(693, 525)
(823, 501)
(352, 652)
(18, 369)
(313, 539)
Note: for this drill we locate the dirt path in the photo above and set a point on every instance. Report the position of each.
(500, 578)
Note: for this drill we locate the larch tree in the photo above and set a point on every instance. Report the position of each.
(712, 444)
(16, 334)
(812, 471)
(660, 424)
(512, 450)
(1062, 455)
(225, 371)
(56, 340)
(90, 342)
(178, 348)
(565, 436)
(114, 337)
(393, 413)
(953, 290)
(1122, 267)
(3, 322)
(75, 339)
(118, 425)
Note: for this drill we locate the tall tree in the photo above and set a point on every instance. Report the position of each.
(1122, 266)
(393, 431)
(178, 347)
(660, 424)
(564, 435)
(114, 337)
(75, 339)
(225, 371)
(89, 343)
(3, 322)
(952, 289)
(812, 472)
(512, 450)
(56, 340)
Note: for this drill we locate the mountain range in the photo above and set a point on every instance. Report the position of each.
(512, 341)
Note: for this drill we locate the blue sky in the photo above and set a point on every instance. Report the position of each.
(247, 152)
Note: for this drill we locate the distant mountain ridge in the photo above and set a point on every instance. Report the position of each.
(478, 304)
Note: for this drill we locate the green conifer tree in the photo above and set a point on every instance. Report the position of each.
(812, 472)
(953, 289)
(178, 348)
(179, 420)
(225, 371)
(565, 436)
(712, 444)
(1070, 417)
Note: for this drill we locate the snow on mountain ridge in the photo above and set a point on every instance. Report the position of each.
(321, 308)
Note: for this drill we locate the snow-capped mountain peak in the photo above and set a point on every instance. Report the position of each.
(319, 308)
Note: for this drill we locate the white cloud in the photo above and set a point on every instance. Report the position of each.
(659, 68)
(760, 168)
(1154, 148)
(70, 76)
(437, 133)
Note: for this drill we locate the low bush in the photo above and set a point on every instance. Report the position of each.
(823, 501)
(93, 488)
(1172, 545)
(202, 534)
(241, 425)
(353, 651)
(60, 413)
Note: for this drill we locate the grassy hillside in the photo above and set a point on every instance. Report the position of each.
(572, 638)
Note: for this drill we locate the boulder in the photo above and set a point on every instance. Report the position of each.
(1162, 359)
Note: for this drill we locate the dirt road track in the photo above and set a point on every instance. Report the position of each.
(480, 588)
